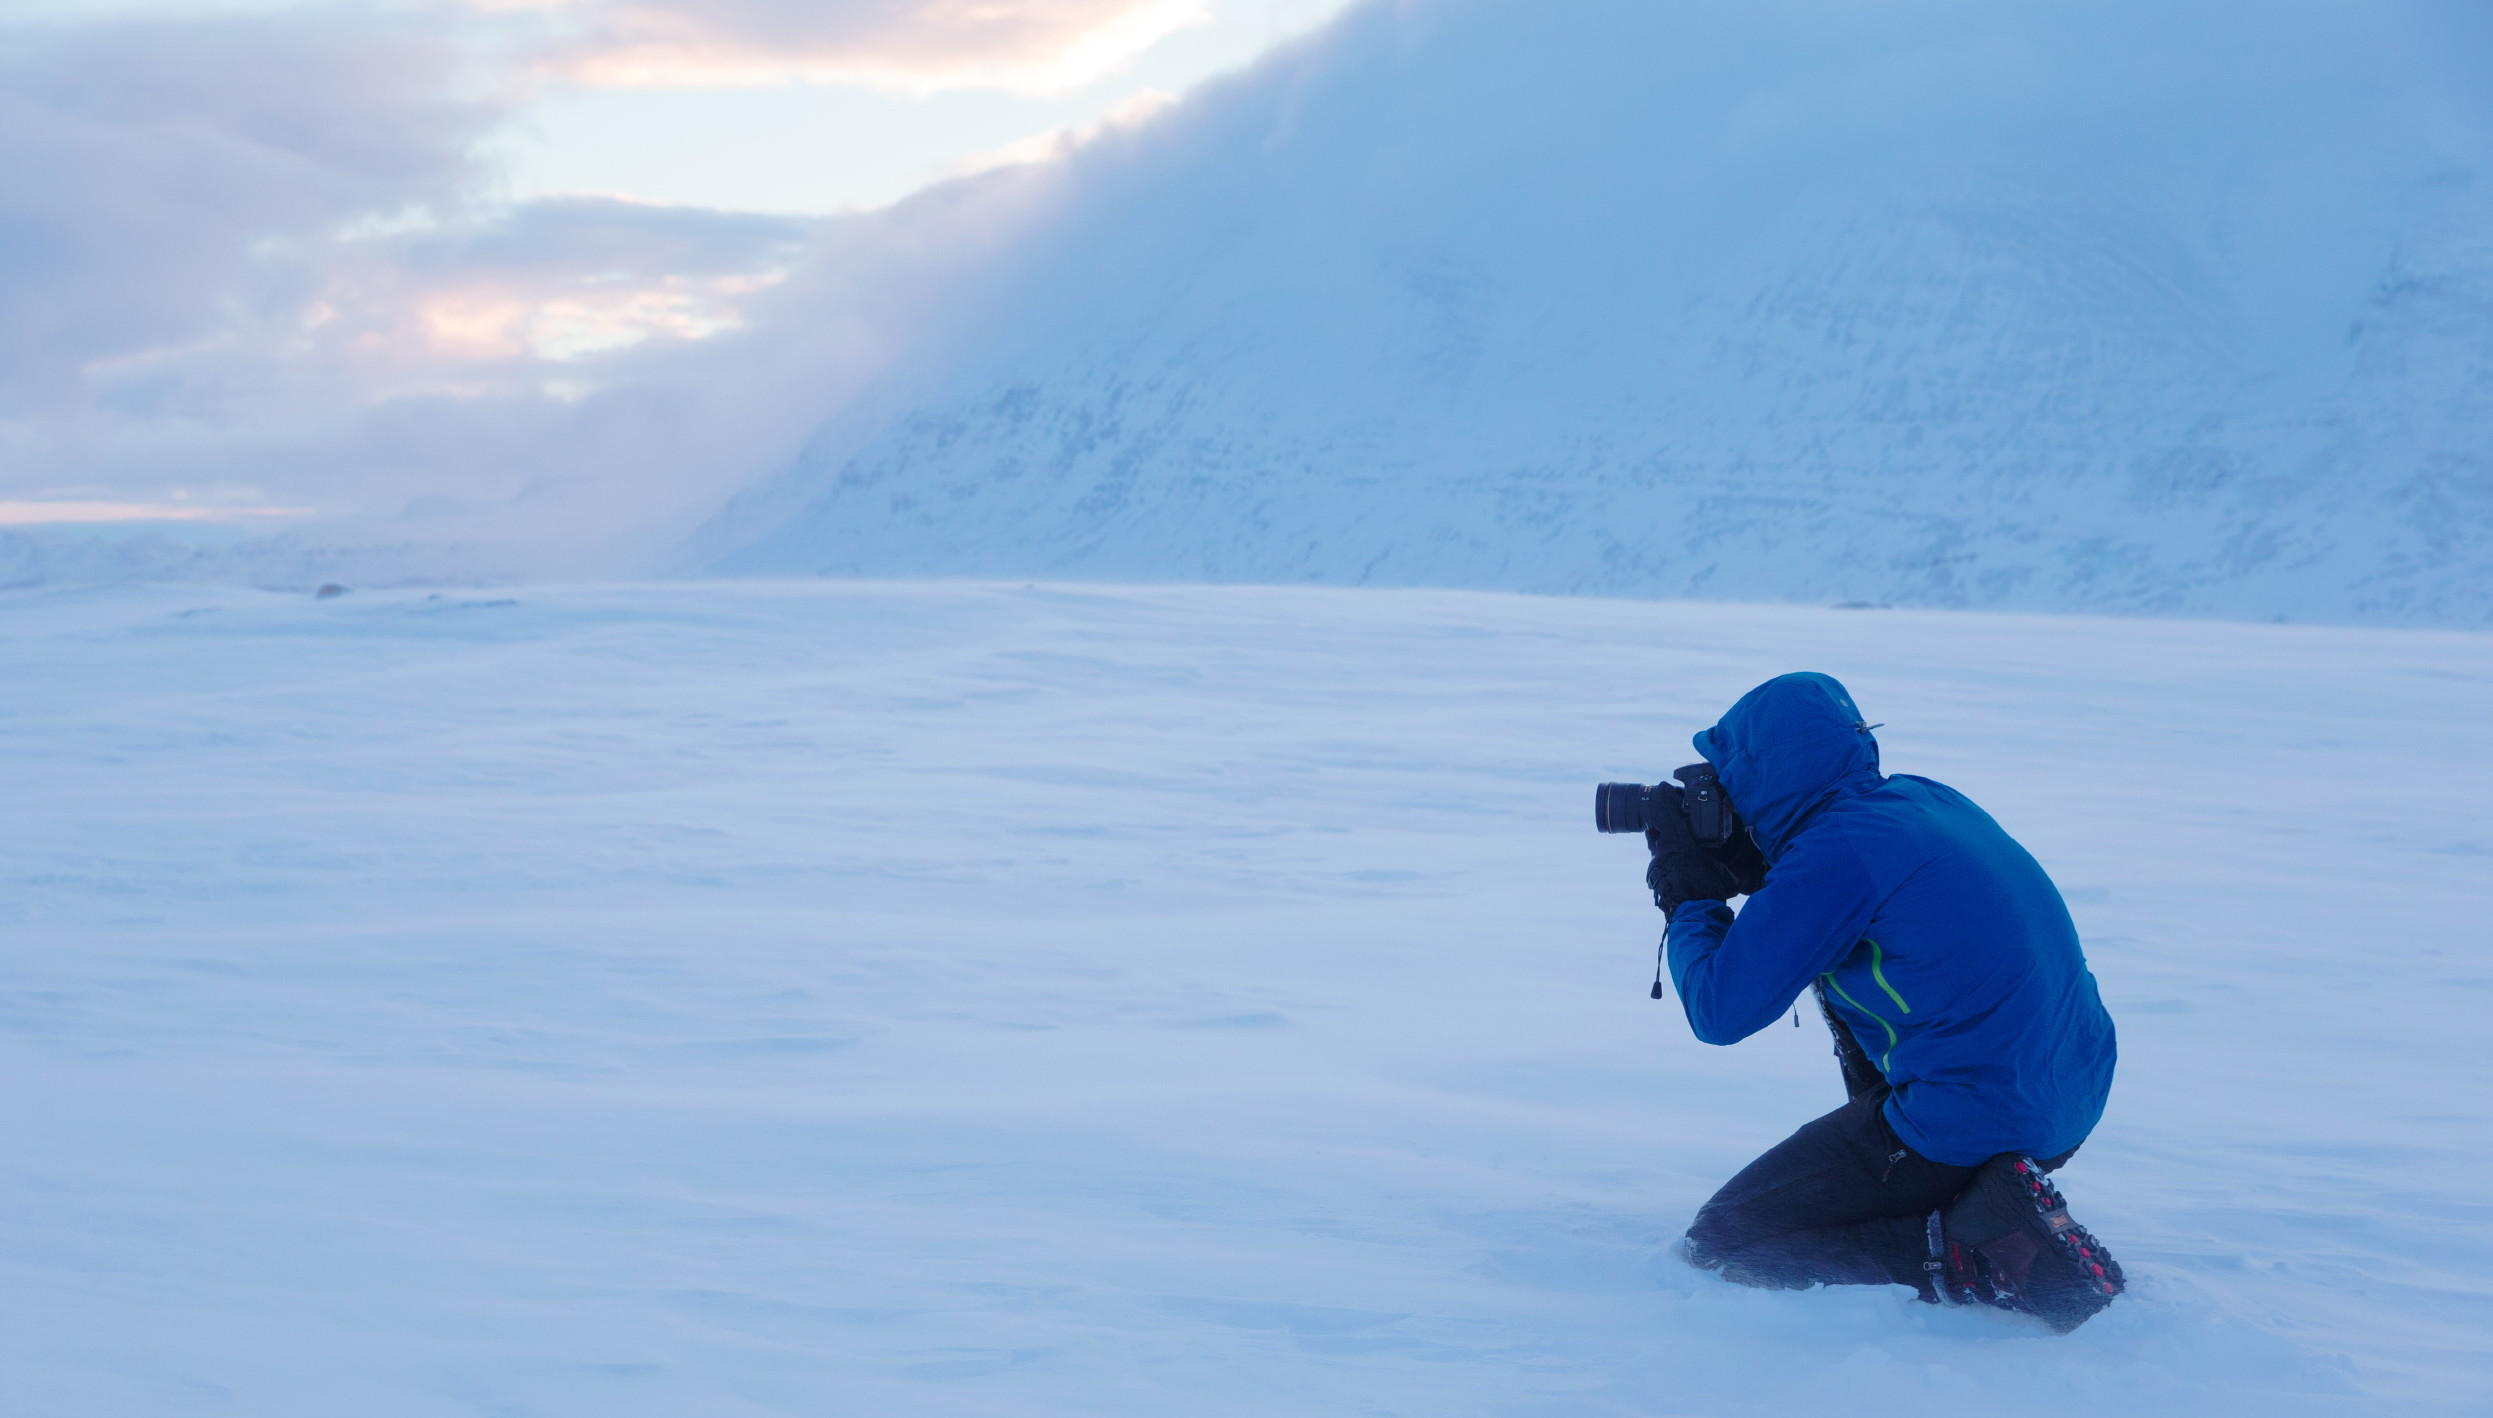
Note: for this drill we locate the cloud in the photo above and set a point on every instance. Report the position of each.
(73, 513)
(254, 263)
(165, 177)
(612, 236)
(903, 44)
(558, 388)
(605, 455)
(554, 280)
(229, 245)
(460, 357)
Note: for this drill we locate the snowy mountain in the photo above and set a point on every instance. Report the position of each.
(2154, 308)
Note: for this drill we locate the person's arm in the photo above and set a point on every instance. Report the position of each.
(1736, 975)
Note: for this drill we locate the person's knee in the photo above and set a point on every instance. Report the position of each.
(1713, 1237)
(1695, 1253)
(1751, 1268)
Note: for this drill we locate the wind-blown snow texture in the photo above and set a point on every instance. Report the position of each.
(2062, 304)
(996, 1000)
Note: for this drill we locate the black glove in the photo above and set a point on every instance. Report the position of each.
(1688, 876)
(1740, 857)
(1681, 870)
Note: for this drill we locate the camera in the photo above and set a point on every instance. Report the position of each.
(1698, 796)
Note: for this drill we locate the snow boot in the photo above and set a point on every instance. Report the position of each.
(1952, 1274)
(2009, 1241)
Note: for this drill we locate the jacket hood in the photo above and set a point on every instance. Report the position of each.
(1788, 748)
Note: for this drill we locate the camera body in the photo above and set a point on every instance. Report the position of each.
(1697, 796)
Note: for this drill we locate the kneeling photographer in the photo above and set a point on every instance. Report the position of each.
(1974, 1049)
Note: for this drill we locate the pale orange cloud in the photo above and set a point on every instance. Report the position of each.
(509, 320)
(902, 44)
(485, 308)
(73, 512)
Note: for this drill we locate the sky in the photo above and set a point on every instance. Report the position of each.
(392, 259)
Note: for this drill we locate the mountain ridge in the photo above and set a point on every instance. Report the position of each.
(2041, 308)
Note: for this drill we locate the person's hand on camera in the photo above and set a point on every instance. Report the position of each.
(1681, 870)
(1688, 876)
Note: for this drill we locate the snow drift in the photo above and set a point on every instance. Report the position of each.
(2159, 308)
(853, 999)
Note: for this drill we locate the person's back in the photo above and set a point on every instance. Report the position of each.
(1968, 988)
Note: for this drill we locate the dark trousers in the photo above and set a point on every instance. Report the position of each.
(1841, 1202)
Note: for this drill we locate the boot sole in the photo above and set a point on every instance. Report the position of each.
(2098, 1275)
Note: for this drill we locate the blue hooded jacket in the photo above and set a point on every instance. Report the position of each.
(1942, 942)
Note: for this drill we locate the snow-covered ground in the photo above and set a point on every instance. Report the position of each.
(892, 999)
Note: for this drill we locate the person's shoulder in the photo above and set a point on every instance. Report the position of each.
(1915, 785)
(1904, 821)
(1907, 790)
(1887, 829)
(1900, 795)
(1934, 813)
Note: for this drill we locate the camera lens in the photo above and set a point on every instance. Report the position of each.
(1621, 807)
